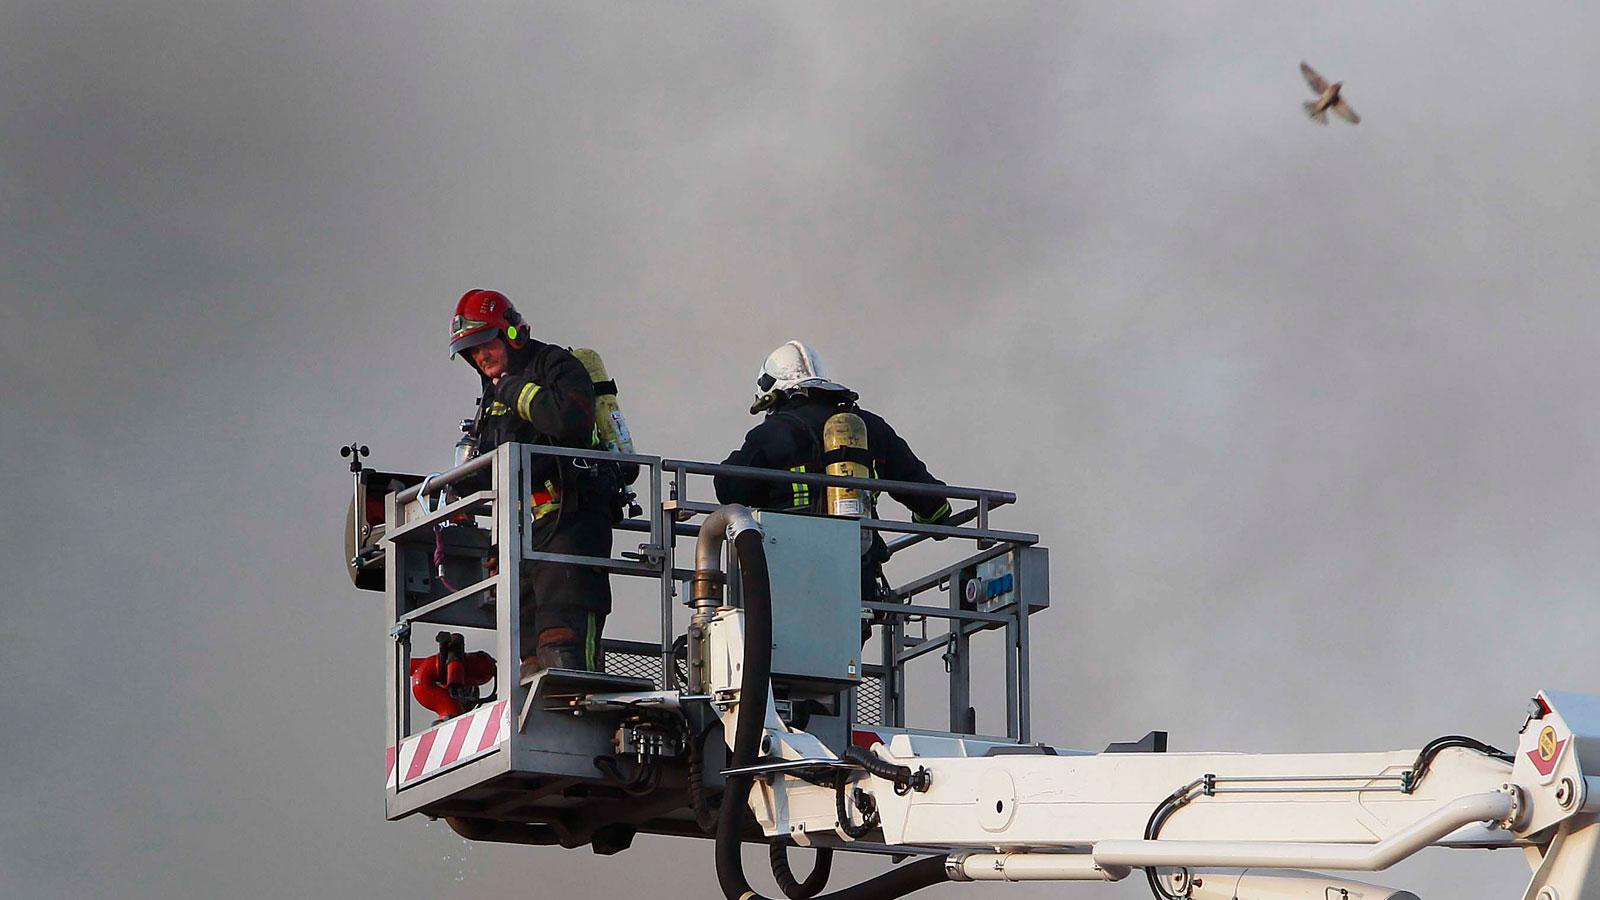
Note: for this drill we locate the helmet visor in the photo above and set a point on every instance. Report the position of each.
(464, 341)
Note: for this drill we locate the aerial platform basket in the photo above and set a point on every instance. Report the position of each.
(555, 756)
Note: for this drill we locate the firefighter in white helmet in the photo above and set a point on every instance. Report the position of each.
(793, 389)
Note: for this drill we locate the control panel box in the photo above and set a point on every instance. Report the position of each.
(814, 567)
(995, 584)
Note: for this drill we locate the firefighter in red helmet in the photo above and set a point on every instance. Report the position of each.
(538, 393)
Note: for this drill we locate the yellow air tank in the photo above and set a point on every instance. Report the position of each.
(608, 418)
(844, 447)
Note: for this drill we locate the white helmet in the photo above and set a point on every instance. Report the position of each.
(790, 367)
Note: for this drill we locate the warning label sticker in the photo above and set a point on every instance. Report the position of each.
(1548, 751)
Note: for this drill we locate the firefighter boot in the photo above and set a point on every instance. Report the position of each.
(562, 656)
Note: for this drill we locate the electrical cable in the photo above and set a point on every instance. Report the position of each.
(705, 815)
(902, 777)
(639, 785)
(1432, 749)
(793, 888)
(1152, 829)
(847, 823)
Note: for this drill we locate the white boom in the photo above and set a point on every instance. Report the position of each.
(1054, 814)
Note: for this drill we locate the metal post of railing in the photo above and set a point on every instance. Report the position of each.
(957, 661)
(1024, 699)
(1013, 726)
(680, 493)
(886, 682)
(897, 673)
(399, 705)
(509, 512)
(664, 537)
(983, 521)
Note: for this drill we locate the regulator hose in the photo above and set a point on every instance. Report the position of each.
(792, 887)
(751, 726)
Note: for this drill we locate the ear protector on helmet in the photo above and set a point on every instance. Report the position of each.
(515, 330)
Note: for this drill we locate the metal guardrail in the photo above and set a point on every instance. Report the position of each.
(669, 515)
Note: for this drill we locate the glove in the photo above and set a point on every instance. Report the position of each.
(939, 517)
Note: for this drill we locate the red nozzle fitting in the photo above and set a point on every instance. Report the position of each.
(442, 692)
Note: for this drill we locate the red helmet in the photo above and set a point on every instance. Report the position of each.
(480, 317)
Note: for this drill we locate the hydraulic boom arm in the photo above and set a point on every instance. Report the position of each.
(1043, 813)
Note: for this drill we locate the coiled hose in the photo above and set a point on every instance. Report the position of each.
(751, 725)
(792, 887)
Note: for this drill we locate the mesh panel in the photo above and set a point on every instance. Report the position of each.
(869, 702)
(635, 662)
(634, 665)
(642, 662)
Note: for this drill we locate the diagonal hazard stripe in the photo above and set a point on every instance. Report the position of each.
(465, 736)
(458, 736)
(491, 728)
(419, 758)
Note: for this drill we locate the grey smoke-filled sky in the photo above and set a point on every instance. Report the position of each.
(1299, 410)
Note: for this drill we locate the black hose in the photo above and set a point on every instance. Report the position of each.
(751, 726)
(641, 784)
(1152, 828)
(904, 779)
(792, 887)
(1425, 756)
(852, 830)
(705, 814)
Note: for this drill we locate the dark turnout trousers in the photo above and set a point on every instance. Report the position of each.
(562, 603)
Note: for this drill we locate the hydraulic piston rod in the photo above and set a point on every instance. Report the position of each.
(1491, 805)
(1031, 867)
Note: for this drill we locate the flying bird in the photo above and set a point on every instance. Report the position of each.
(1327, 98)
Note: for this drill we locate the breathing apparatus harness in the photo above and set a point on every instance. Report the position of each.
(566, 467)
(819, 458)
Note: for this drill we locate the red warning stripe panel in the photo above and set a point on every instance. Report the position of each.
(462, 738)
(419, 759)
(491, 728)
(458, 736)
(864, 739)
(388, 762)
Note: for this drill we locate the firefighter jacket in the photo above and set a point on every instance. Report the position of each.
(546, 398)
(790, 437)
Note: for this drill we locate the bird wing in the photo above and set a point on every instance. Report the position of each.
(1345, 112)
(1312, 78)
